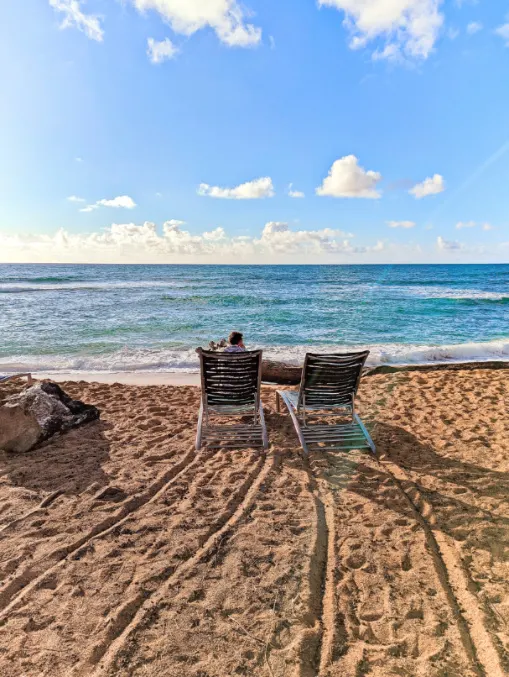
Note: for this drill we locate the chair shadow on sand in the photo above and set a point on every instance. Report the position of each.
(68, 463)
(465, 498)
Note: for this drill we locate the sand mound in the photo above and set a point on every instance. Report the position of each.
(122, 552)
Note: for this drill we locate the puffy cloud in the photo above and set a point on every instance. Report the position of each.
(294, 193)
(277, 238)
(252, 190)
(123, 201)
(73, 16)
(401, 224)
(158, 52)
(89, 208)
(448, 245)
(145, 243)
(487, 226)
(474, 27)
(75, 198)
(503, 31)
(225, 17)
(273, 227)
(347, 179)
(410, 27)
(430, 186)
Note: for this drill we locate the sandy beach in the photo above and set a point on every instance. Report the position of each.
(123, 552)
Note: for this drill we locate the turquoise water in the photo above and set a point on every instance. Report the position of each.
(151, 318)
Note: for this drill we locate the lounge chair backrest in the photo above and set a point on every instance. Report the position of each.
(231, 379)
(331, 380)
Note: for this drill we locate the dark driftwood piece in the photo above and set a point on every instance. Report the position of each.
(289, 374)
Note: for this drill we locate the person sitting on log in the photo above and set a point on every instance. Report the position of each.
(236, 343)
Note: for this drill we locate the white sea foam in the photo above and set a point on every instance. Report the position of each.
(20, 287)
(186, 360)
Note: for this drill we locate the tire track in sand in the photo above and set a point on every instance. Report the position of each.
(475, 636)
(139, 609)
(316, 641)
(20, 586)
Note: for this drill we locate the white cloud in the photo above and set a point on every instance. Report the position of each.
(448, 245)
(410, 27)
(251, 190)
(474, 27)
(347, 179)
(122, 201)
(134, 243)
(225, 17)
(401, 224)
(294, 193)
(73, 16)
(503, 31)
(75, 198)
(473, 224)
(158, 52)
(78, 159)
(453, 33)
(430, 186)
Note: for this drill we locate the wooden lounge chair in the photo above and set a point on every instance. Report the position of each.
(230, 387)
(328, 388)
(9, 377)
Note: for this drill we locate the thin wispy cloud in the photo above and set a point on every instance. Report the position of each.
(251, 190)
(73, 16)
(474, 27)
(473, 224)
(294, 193)
(75, 198)
(159, 52)
(503, 32)
(120, 202)
(401, 224)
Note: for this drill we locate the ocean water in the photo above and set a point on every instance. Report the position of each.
(151, 318)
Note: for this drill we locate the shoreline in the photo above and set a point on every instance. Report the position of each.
(193, 378)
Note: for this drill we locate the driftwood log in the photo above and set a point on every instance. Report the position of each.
(281, 373)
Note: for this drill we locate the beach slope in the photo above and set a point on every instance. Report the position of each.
(123, 552)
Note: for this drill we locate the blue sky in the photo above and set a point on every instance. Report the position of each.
(183, 122)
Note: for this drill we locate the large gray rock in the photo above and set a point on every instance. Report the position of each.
(38, 413)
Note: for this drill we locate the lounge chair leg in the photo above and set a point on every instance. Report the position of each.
(278, 402)
(265, 437)
(366, 434)
(200, 426)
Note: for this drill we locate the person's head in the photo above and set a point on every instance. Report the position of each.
(236, 339)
